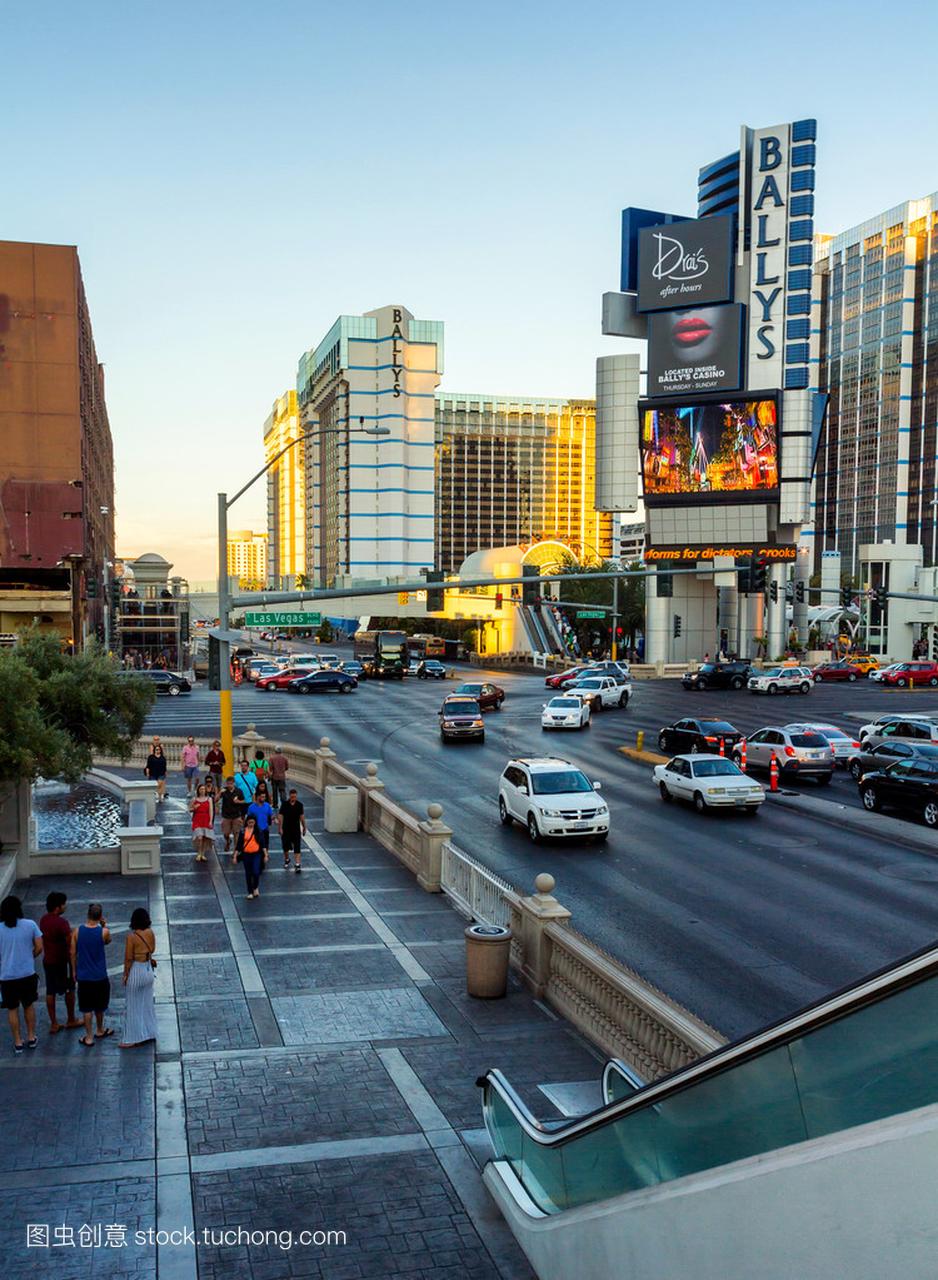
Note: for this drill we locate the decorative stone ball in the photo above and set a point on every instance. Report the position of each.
(371, 770)
(434, 812)
(324, 742)
(544, 883)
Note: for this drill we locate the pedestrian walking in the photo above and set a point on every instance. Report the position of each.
(20, 944)
(215, 761)
(89, 965)
(202, 808)
(139, 964)
(291, 823)
(279, 764)
(260, 765)
(246, 781)
(155, 770)
(253, 854)
(190, 764)
(261, 810)
(56, 961)
(211, 790)
(232, 805)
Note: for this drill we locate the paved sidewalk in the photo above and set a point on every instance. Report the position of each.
(315, 1072)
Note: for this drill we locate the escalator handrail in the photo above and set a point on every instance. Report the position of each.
(914, 969)
(615, 1066)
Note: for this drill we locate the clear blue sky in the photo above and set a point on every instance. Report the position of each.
(236, 175)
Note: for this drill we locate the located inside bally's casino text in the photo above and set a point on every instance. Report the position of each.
(718, 449)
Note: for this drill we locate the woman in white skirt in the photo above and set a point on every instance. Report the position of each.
(140, 1013)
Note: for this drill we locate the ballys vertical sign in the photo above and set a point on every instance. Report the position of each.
(770, 157)
(397, 358)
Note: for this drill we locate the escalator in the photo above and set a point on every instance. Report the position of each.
(533, 630)
(813, 1133)
(552, 630)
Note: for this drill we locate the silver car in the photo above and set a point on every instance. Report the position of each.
(875, 759)
(844, 746)
(902, 729)
(800, 753)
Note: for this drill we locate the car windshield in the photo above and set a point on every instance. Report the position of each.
(808, 740)
(708, 666)
(716, 726)
(564, 704)
(555, 784)
(433, 663)
(833, 734)
(462, 708)
(716, 769)
(474, 689)
(776, 671)
(589, 684)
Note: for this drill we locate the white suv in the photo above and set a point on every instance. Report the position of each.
(599, 691)
(551, 797)
(782, 680)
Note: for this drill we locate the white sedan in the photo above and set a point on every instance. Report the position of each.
(708, 782)
(566, 713)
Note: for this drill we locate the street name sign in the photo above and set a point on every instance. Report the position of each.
(272, 619)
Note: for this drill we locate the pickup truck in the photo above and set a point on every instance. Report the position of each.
(600, 691)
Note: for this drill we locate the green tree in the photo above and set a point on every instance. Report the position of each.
(325, 632)
(57, 712)
(302, 583)
(599, 591)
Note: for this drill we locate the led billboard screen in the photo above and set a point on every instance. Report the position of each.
(718, 450)
(694, 351)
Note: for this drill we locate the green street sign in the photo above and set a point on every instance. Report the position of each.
(282, 619)
(590, 613)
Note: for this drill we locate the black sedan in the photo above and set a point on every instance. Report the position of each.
(698, 735)
(430, 669)
(718, 675)
(908, 785)
(325, 681)
(170, 682)
(875, 759)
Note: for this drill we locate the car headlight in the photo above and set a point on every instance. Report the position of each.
(716, 791)
(477, 724)
(551, 813)
(602, 813)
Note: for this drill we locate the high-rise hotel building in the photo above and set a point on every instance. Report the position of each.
(877, 323)
(286, 493)
(247, 558)
(514, 470)
(370, 498)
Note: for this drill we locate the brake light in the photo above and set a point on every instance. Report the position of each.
(789, 751)
(709, 739)
(855, 744)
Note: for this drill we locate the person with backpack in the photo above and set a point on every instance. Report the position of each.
(252, 853)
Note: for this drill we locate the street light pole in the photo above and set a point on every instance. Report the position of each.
(614, 648)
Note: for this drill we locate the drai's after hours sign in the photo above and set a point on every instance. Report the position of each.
(683, 264)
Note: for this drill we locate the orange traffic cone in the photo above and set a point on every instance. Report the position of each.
(773, 773)
(722, 748)
(742, 755)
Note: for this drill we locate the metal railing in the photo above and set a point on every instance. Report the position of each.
(475, 892)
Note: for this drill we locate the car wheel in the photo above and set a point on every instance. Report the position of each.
(856, 769)
(805, 688)
(751, 810)
(307, 690)
(930, 814)
(345, 688)
(665, 793)
(773, 688)
(870, 799)
(901, 682)
(503, 813)
(585, 724)
(498, 704)
(443, 737)
(702, 683)
(173, 690)
(817, 679)
(933, 681)
(825, 779)
(601, 837)
(623, 699)
(700, 803)
(736, 683)
(851, 677)
(533, 829)
(662, 742)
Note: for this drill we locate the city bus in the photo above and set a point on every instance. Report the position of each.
(383, 654)
(426, 646)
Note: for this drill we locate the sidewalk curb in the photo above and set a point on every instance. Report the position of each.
(891, 830)
(643, 757)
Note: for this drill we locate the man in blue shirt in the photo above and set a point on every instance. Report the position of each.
(246, 781)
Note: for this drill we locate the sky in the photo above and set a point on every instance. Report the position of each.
(237, 175)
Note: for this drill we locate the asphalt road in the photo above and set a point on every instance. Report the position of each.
(742, 920)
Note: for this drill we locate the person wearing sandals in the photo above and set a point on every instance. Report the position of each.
(155, 769)
(251, 850)
(202, 808)
(20, 944)
(89, 966)
(140, 1012)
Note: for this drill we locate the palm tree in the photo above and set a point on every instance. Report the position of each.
(302, 582)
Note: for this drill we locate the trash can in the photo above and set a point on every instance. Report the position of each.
(341, 808)
(487, 951)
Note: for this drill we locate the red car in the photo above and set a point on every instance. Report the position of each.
(835, 671)
(909, 673)
(282, 678)
(560, 678)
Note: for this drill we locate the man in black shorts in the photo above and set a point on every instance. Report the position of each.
(292, 827)
(56, 961)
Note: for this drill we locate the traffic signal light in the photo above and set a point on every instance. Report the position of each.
(773, 592)
(846, 595)
(498, 599)
(744, 576)
(677, 625)
(214, 663)
(531, 589)
(799, 592)
(436, 597)
(665, 582)
(882, 597)
(757, 575)
(116, 591)
(91, 588)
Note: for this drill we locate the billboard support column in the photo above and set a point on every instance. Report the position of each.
(657, 623)
(776, 624)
